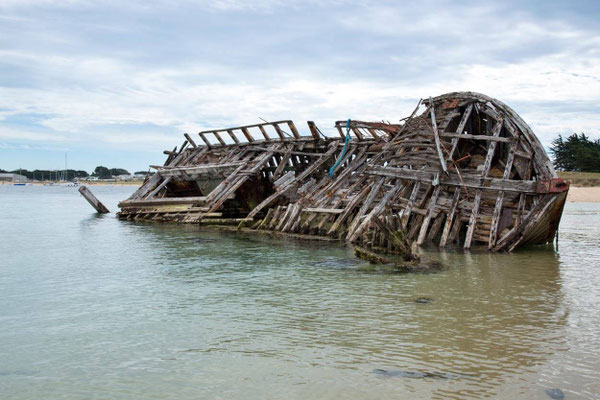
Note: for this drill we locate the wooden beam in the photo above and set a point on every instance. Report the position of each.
(473, 220)
(500, 198)
(278, 130)
(247, 134)
(232, 136)
(294, 130)
(159, 187)
(376, 210)
(363, 209)
(282, 163)
(264, 133)
(326, 156)
(468, 181)
(477, 137)
(205, 140)
(349, 208)
(189, 139)
(196, 200)
(437, 138)
(425, 225)
(449, 218)
(411, 201)
(324, 210)
(94, 202)
(312, 127)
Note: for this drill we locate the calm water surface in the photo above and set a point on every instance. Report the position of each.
(94, 307)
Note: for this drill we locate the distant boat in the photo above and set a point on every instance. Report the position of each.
(19, 184)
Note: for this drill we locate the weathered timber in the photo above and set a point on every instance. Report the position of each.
(94, 202)
(462, 168)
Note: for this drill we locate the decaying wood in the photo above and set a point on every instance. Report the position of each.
(94, 202)
(465, 170)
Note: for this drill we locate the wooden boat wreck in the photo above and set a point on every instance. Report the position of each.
(464, 170)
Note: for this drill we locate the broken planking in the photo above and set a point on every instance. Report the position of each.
(89, 196)
(465, 171)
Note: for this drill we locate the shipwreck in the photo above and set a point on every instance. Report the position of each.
(462, 170)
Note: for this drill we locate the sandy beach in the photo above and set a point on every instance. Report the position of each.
(584, 194)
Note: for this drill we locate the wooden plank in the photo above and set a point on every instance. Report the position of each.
(247, 134)
(205, 140)
(146, 187)
(159, 187)
(259, 163)
(250, 126)
(491, 149)
(314, 131)
(472, 220)
(324, 210)
(284, 218)
(94, 202)
(530, 219)
(278, 130)
(164, 200)
(189, 139)
(486, 168)
(232, 136)
(357, 133)
(348, 209)
(432, 203)
(326, 156)
(293, 219)
(436, 137)
(294, 130)
(363, 209)
(477, 137)
(264, 133)
(200, 169)
(500, 199)
(282, 163)
(376, 210)
(436, 226)
(411, 201)
(449, 218)
(509, 185)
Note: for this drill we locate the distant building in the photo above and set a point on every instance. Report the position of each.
(124, 177)
(8, 177)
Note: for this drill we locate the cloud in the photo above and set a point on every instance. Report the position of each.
(138, 75)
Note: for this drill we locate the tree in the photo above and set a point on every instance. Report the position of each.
(576, 153)
(118, 171)
(102, 172)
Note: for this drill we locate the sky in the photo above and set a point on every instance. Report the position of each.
(115, 83)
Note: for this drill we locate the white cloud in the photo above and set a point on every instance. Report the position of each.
(368, 61)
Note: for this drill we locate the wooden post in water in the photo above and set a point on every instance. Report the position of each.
(89, 196)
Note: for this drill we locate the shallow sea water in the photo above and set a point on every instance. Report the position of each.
(94, 307)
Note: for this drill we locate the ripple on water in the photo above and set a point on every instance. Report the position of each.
(96, 307)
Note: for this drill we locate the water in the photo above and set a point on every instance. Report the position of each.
(94, 307)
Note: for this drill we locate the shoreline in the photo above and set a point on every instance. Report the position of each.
(577, 194)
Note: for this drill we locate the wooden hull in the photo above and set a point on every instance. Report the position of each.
(466, 170)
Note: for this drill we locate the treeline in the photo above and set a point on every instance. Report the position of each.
(48, 175)
(107, 173)
(53, 175)
(576, 153)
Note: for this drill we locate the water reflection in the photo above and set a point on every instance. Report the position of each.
(493, 318)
